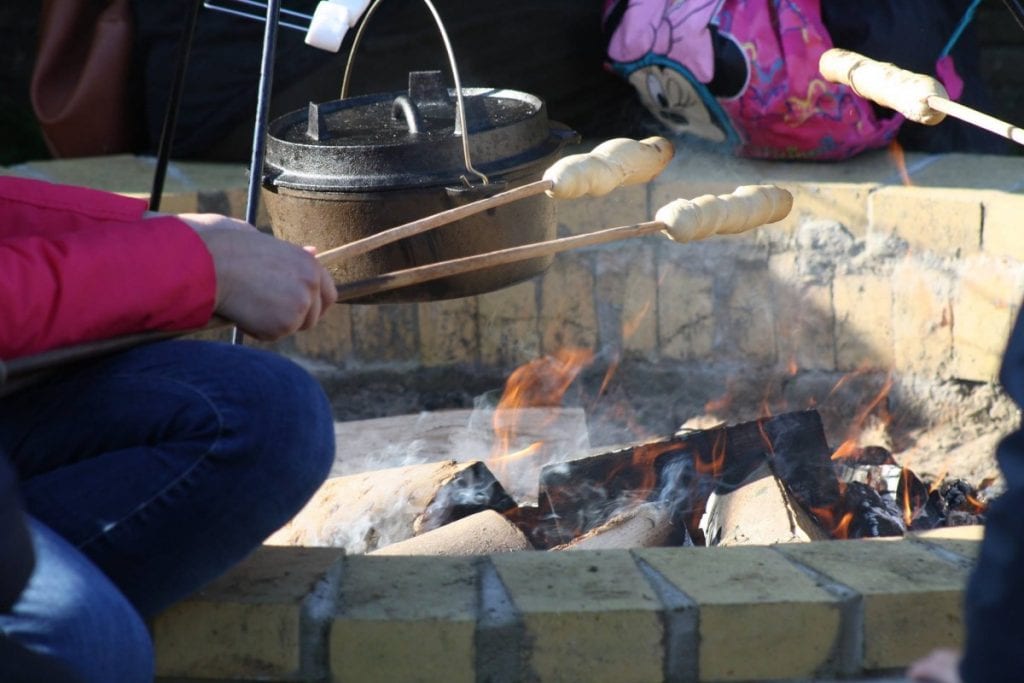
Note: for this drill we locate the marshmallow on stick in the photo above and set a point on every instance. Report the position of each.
(614, 163)
(328, 26)
(746, 208)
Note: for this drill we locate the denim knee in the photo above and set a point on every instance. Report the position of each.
(72, 616)
(278, 420)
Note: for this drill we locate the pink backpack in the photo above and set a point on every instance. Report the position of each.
(742, 72)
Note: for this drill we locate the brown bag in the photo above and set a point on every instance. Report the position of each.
(79, 86)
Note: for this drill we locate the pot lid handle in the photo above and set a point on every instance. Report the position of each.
(461, 129)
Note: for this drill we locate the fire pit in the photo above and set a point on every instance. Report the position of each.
(881, 306)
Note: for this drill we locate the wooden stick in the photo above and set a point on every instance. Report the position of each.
(682, 220)
(919, 97)
(614, 163)
(977, 118)
(427, 223)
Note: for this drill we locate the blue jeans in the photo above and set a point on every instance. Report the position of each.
(994, 609)
(160, 467)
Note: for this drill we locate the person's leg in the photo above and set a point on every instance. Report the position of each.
(167, 464)
(994, 601)
(70, 624)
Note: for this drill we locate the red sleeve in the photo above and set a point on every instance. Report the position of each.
(79, 264)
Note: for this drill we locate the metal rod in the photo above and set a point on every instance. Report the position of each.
(163, 155)
(259, 137)
(1017, 10)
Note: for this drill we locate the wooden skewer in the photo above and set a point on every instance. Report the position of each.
(919, 97)
(613, 163)
(682, 220)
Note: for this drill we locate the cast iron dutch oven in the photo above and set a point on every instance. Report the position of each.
(350, 168)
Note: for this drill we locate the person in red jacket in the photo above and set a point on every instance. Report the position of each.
(129, 481)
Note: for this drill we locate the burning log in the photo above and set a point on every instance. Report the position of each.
(479, 534)
(683, 471)
(648, 525)
(759, 512)
(365, 511)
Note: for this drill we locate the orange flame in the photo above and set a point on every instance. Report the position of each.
(847, 449)
(522, 454)
(908, 512)
(898, 158)
(540, 383)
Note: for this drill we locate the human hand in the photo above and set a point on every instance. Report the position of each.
(268, 287)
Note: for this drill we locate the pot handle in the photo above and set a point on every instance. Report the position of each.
(460, 108)
(403, 107)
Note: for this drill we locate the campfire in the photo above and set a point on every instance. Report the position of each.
(774, 479)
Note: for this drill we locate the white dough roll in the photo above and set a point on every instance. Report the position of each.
(748, 207)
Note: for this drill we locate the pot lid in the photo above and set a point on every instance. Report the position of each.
(398, 140)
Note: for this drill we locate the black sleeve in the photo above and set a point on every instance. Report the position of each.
(16, 556)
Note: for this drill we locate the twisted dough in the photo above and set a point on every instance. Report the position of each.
(611, 164)
(887, 84)
(746, 208)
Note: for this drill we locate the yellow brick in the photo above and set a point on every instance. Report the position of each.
(761, 618)
(331, 339)
(567, 313)
(947, 221)
(244, 626)
(686, 324)
(750, 320)
(590, 615)
(863, 319)
(962, 540)
(911, 599)
(977, 171)
(624, 206)
(448, 332)
(405, 619)
(508, 325)
(922, 319)
(626, 287)
(384, 333)
(804, 324)
(846, 203)
(1003, 233)
(985, 304)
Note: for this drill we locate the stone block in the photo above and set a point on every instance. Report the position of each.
(406, 620)
(942, 220)
(749, 317)
(686, 307)
(1003, 224)
(386, 332)
(626, 287)
(589, 615)
(985, 304)
(508, 325)
(845, 203)
(922, 318)
(568, 316)
(976, 171)
(448, 332)
(245, 625)
(804, 320)
(761, 618)
(962, 540)
(863, 321)
(330, 340)
(911, 598)
(623, 206)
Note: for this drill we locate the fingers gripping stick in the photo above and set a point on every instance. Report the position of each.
(746, 208)
(887, 84)
(611, 164)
